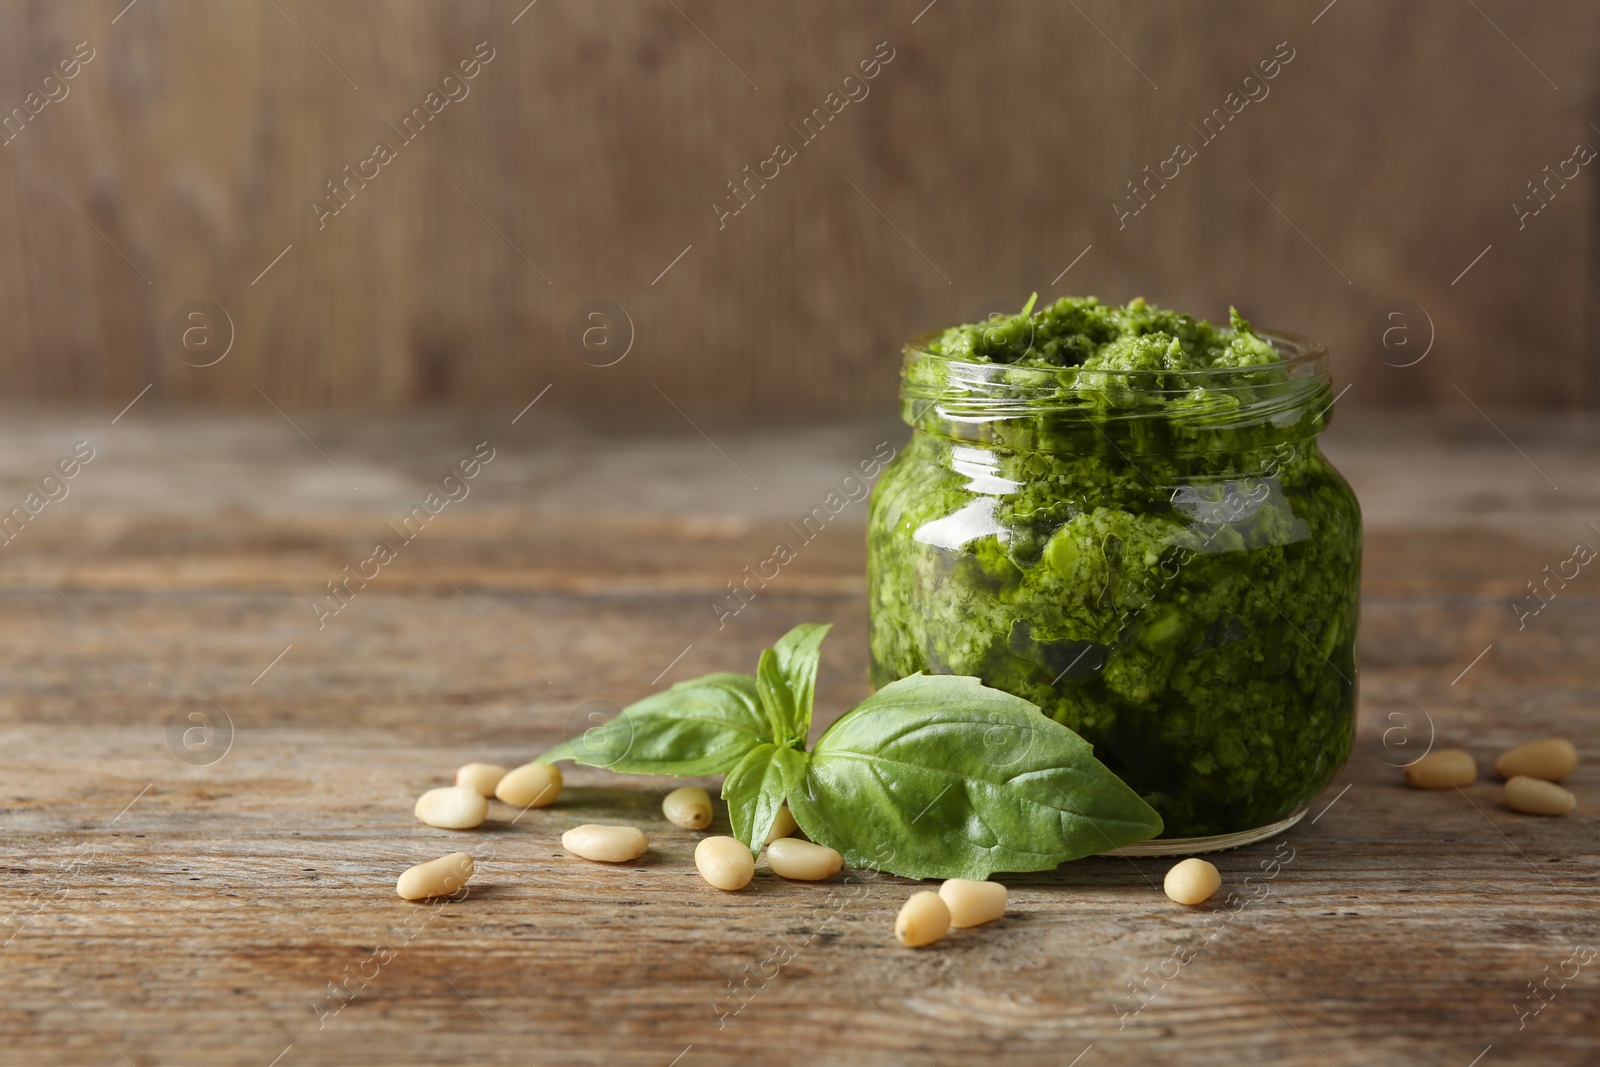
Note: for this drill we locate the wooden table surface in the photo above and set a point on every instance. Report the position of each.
(157, 909)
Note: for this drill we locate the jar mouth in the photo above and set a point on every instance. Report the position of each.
(1300, 357)
(1041, 407)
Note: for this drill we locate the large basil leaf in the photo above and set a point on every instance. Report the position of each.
(702, 726)
(758, 787)
(943, 777)
(787, 678)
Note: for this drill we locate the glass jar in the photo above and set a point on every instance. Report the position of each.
(1162, 561)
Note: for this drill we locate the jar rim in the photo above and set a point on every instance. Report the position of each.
(1073, 408)
(1296, 351)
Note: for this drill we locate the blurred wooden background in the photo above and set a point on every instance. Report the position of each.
(986, 156)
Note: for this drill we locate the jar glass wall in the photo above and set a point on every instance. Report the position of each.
(1162, 561)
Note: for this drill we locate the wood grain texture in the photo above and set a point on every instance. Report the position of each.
(986, 156)
(188, 914)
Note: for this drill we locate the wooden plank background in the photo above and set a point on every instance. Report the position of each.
(984, 160)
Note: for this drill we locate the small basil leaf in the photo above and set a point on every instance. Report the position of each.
(758, 787)
(702, 726)
(742, 785)
(793, 671)
(942, 777)
(776, 700)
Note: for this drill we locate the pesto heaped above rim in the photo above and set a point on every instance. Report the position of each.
(1083, 332)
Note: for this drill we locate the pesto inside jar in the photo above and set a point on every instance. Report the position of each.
(1122, 514)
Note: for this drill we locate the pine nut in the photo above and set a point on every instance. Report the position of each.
(605, 844)
(436, 878)
(689, 807)
(923, 919)
(1549, 760)
(1193, 881)
(790, 857)
(973, 903)
(724, 862)
(533, 785)
(452, 807)
(481, 776)
(783, 826)
(1443, 769)
(1534, 797)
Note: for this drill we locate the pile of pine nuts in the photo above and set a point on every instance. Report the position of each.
(962, 903)
(464, 806)
(724, 862)
(959, 903)
(1531, 772)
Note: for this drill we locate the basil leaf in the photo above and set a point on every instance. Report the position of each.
(942, 777)
(758, 787)
(787, 676)
(776, 700)
(702, 726)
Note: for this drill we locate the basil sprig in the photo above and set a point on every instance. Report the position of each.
(786, 678)
(933, 776)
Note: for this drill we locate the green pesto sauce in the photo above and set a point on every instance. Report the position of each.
(1082, 332)
(1182, 593)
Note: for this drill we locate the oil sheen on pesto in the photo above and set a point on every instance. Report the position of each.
(1122, 515)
